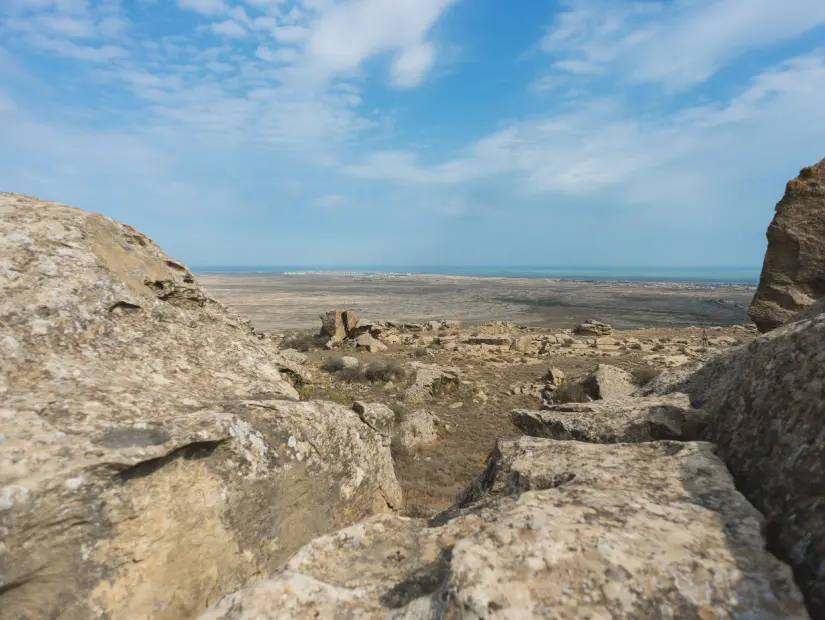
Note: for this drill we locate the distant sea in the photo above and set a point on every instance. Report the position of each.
(716, 275)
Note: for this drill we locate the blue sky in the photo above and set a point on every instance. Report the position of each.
(426, 132)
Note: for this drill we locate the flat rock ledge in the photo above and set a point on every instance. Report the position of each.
(552, 529)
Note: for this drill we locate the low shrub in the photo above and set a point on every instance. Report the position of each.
(644, 375)
(384, 371)
(333, 364)
(351, 375)
(570, 392)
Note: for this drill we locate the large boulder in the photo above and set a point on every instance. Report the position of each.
(608, 383)
(152, 458)
(766, 403)
(337, 325)
(415, 430)
(793, 274)
(552, 529)
(431, 380)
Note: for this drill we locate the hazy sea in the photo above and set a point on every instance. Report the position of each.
(716, 275)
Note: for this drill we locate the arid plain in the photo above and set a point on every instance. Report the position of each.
(276, 302)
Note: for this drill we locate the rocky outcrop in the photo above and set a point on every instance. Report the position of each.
(337, 325)
(591, 327)
(766, 404)
(608, 383)
(370, 344)
(793, 274)
(416, 429)
(152, 456)
(551, 529)
(431, 379)
(631, 420)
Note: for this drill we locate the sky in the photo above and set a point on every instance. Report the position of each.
(418, 132)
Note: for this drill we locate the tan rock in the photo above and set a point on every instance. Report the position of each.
(608, 383)
(524, 344)
(152, 458)
(337, 325)
(591, 327)
(767, 406)
(370, 344)
(430, 380)
(793, 273)
(615, 421)
(551, 530)
(554, 376)
(415, 430)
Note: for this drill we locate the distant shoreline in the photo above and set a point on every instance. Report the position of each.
(732, 276)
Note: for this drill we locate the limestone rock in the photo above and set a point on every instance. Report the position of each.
(524, 344)
(550, 530)
(591, 327)
(416, 429)
(337, 324)
(554, 376)
(368, 343)
(793, 273)
(630, 420)
(766, 403)
(378, 417)
(669, 381)
(349, 362)
(430, 380)
(608, 383)
(451, 324)
(152, 457)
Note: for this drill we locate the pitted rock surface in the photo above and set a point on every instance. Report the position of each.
(152, 456)
(766, 403)
(629, 420)
(552, 530)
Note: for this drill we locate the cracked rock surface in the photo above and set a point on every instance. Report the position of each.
(152, 456)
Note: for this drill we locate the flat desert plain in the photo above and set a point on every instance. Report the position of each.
(282, 302)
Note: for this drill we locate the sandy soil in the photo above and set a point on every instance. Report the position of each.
(277, 302)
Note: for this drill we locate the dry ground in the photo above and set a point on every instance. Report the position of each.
(433, 475)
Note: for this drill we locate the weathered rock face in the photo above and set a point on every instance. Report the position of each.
(591, 327)
(152, 457)
(337, 325)
(367, 342)
(430, 379)
(631, 420)
(415, 430)
(608, 383)
(551, 530)
(793, 274)
(766, 404)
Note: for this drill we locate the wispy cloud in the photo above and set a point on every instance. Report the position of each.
(677, 44)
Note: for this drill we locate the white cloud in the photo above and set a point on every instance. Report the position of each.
(677, 44)
(345, 34)
(204, 7)
(602, 144)
(282, 55)
(411, 64)
(228, 28)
